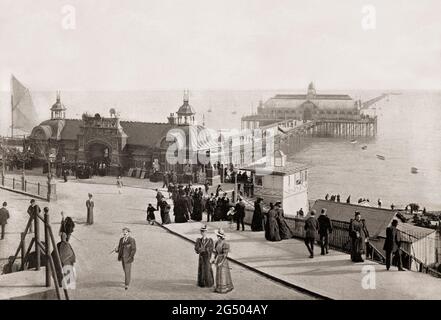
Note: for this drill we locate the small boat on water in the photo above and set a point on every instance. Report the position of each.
(364, 147)
(234, 112)
(354, 141)
(414, 170)
(381, 157)
(209, 110)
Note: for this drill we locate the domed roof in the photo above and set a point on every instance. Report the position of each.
(58, 106)
(186, 109)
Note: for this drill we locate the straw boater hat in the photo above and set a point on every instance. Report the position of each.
(220, 232)
(203, 228)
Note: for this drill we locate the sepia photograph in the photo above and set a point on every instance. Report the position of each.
(236, 153)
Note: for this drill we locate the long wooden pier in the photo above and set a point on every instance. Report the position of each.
(333, 128)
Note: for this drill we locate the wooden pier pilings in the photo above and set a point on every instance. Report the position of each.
(339, 128)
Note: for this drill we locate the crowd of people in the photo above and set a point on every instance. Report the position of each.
(360, 201)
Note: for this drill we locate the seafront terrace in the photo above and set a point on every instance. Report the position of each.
(260, 269)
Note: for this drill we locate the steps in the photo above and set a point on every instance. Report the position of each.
(22, 283)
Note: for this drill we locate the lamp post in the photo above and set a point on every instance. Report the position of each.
(235, 184)
(3, 148)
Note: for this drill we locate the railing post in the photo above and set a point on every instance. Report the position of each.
(37, 238)
(23, 249)
(38, 188)
(3, 179)
(48, 248)
(13, 183)
(25, 185)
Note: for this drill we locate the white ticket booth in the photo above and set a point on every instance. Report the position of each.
(282, 181)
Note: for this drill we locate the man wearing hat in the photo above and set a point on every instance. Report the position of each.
(4, 216)
(89, 205)
(126, 253)
(33, 210)
(311, 227)
(204, 248)
(240, 214)
(325, 228)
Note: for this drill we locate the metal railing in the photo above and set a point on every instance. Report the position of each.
(30, 187)
(52, 263)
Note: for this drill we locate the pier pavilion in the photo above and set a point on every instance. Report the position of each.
(330, 114)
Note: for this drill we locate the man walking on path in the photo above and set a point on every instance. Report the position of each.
(240, 214)
(126, 253)
(89, 205)
(392, 245)
(4, 216)
(33, 210)
(311, 227)
(159, 197)
(325, 228)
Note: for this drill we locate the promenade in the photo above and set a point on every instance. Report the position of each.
(333, 276)
(166, 265)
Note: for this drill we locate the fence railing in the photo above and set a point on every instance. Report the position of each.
(39, 189)
(42, 250)
(339, 239)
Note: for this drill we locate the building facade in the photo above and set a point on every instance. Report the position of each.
(309, 106)
(113, 146)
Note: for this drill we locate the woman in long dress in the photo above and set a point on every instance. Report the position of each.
(223, 283)
(284, 230)
(257, 222)
(165, 212)
(204, 248)
(271, 225)
(180, 209)
(358, 233)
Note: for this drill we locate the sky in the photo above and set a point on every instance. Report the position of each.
(228, 44)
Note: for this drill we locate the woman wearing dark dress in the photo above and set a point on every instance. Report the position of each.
(197, 207)
(358, 233)
(284, 230)
(219, 210)
(204, 248)
(271, 225)
(181, 209)
(223, 284)
(257, 222)
(165, 212)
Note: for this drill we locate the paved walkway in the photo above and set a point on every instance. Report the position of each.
(165, 266)
(333, 276)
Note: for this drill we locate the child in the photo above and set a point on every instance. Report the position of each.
(151, 214)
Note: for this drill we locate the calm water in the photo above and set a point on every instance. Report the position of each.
(409, 135)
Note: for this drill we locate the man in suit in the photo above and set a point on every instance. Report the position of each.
(33, 211)
(392, 245)
(4, 216)
(325, 228)
(126, 253)
(240, 214)
(311, 227)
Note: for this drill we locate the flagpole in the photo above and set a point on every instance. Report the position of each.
(12, 111)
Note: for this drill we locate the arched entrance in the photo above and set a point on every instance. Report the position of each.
(98, 158)
(307, 114)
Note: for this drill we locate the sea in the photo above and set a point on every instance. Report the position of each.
(409, 135)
